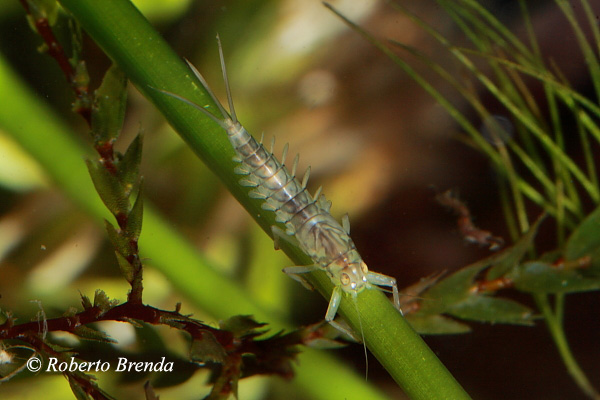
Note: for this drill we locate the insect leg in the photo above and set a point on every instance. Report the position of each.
(334, 304)
(387, 281)
(279, 235)
(296, 271)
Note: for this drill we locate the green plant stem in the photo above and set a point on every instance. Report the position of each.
(554, 323)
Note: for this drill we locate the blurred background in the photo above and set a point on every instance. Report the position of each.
(380, 146)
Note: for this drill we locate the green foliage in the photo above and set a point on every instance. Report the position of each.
(499, 62)
(458, 295)
(544, 278)
(585, 241)
(108, 110)
(109, 188)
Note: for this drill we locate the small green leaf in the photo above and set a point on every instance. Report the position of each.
(89, 391)
(108, 110)
(120, 243)
(541, 277)
(125, 266)
(149, 340)
(85, 301)
(149, 391)
(585, 240)
(458, 287)
(512, 256)
(207, 349)
(185, 371)
(436, 325)
(325, 344)
(71, 311)
(240, 325)
(61, 349)
(135, 217)
(47, 9)
(102, 301)
(79, 392)
(80, 79)
(87, 333)
(133, 322)
(129, 164)
(492, 309)
(109, 188)
(453, 289)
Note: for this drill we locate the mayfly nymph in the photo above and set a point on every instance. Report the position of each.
(309, 225)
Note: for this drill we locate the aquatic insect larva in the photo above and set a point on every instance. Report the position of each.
(309, 225)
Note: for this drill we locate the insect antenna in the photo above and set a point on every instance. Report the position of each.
(212, 95)
(191, 103)
(226, 115)
(362, 334)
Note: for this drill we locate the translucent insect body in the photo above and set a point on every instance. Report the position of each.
(309, 225)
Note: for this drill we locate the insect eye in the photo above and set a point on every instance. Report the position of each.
(345, 279)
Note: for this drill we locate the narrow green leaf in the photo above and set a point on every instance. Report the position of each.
(240, 325)
(585, 240)
(47, 9)
(492, 309)
(149, 391)
(108, 110)
(135, 217)
(119, 243)
(149, 340)
(512, 256)
(207, 349)
(129, 165)
(78, 391)
(542, 278)
(453, 289)
(87, 333)
(102, 301)
(436, 325)
(80, 80)
(125, 266)
(85, 302)
(109, 188)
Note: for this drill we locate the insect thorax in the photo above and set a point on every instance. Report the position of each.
(330, 247)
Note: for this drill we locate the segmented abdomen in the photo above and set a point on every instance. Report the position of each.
(308, 219)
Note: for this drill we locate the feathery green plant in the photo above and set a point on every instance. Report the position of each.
(498, 62)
